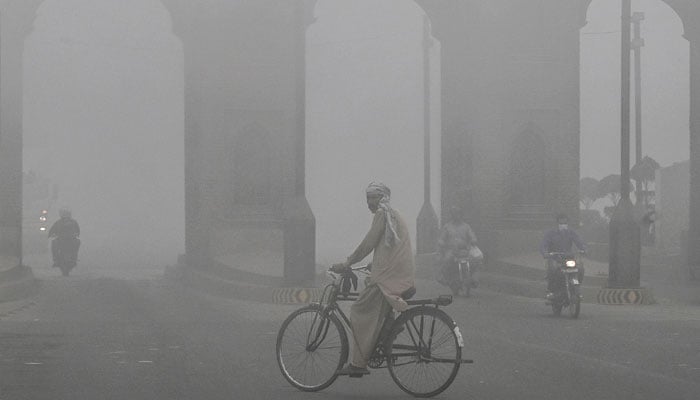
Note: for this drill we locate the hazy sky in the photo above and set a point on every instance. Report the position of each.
(665, 87)
(365, 115)
(103, 88)
(103, 118)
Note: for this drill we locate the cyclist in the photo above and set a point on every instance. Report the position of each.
(392, 274)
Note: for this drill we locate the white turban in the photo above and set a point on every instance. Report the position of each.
(380, 189)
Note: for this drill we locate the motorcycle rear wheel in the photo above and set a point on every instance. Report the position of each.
(466, 288)
(455, 289)
(556, 309)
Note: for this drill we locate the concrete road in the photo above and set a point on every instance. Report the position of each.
(92, 337)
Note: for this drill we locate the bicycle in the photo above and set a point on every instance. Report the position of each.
(421, 347)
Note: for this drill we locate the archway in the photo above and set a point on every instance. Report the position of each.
(665, 92)
(365, 116)
(103, 121)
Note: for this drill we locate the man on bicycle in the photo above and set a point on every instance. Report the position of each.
(392, 274)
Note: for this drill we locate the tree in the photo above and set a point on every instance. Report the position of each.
(644, 172)
(588, 192)
(610, 187)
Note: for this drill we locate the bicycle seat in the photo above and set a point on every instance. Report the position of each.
(408, 293)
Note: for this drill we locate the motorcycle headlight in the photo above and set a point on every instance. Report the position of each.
(571, 263)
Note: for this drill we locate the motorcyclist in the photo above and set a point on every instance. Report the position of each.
(65, 231)
(456, 236)
(559, 240)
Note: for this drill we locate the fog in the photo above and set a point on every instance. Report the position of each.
(103, 114)
(665, 87)
(365, 115)
(103, 119)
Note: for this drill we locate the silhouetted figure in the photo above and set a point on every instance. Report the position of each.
(65, 245)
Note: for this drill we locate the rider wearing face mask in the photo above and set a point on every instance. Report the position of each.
(559, 240)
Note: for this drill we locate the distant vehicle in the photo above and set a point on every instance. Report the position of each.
(67, 254)
(38, 204)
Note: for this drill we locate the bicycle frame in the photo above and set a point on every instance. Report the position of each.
(332, 295)
(421, 340)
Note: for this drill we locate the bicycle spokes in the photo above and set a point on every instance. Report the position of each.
(425, 356)
(317, 332)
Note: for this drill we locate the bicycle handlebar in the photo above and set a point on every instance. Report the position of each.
(361, 268)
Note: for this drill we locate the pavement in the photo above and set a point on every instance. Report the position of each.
(95, 337)
(522, 275)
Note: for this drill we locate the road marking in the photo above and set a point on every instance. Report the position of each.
(295, 295)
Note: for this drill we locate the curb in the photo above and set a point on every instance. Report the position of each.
(529, 288)
(525, 282)
(17, 283)
(636, 296)
(269, 291)
(13, 307)
(213, 283)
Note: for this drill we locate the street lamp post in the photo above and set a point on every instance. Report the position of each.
(427, 222)
(625, 244)
(637, 45)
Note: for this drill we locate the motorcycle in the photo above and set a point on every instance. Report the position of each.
(459, 273)
(66, 253)
(568, 284)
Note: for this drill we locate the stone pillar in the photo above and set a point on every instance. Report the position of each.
(244, 136)
(16, 21)
(452, 23)
(693, 244)
(195, 229)
(427, 223)
(299, 221)
(625, 233)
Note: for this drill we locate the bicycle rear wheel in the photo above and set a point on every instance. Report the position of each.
(311, 347)
(424, 353)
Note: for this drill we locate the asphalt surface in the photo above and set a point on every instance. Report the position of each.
(137, 336)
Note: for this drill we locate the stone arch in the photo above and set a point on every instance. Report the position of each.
(109, 69)
(665, 50)
(527, 170)
(680, 7)
(379, 118)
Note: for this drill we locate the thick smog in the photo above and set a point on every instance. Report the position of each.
(262, 199)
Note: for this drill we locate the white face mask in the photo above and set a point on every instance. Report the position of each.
(563, 227)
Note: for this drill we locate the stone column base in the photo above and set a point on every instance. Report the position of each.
(622, 296)
(17, 283)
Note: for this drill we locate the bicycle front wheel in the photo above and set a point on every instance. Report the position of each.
(311, 347)
(575, 306)
(425, 352)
